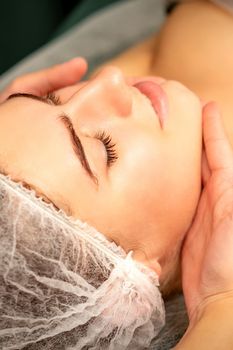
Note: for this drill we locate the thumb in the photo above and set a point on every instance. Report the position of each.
(217, 146)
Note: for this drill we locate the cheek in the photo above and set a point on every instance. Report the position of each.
(159, 189)
(138, 184)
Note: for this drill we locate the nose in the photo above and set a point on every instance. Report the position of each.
(106, 92)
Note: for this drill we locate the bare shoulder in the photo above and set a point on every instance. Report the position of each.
(198, 37)
(137, 59)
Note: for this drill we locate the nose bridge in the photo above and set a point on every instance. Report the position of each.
(117, 91)
(107, 90)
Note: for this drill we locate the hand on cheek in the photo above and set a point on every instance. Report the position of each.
(207, 258)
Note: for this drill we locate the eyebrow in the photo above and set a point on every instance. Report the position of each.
(33, 97)
(75, 140)
(77, 146)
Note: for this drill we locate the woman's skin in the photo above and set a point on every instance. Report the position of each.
(172, 178)
(208, 299)
(209, 304)
(145, 198)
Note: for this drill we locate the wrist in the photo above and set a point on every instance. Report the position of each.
(217, 303)
(211, 326)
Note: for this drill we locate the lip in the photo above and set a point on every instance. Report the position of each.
(157, 97)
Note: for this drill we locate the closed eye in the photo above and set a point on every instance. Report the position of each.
(102, 136)
(109, 146)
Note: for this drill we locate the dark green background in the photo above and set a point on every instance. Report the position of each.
(27, 24)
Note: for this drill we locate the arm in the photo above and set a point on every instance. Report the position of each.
(213, 330)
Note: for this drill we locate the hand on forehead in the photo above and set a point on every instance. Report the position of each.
(47, 80)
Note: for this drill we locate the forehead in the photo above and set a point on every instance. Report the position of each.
(26, 120)
(28, 130)
(22, 107)
(36, 146)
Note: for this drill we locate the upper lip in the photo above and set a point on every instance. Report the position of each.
(158, 98)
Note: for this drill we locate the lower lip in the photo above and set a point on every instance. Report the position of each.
(157, 97)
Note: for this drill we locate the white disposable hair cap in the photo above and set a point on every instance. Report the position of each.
(63, 285)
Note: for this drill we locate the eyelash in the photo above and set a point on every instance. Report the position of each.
(109, 146)
(101, 135)
(53, 98)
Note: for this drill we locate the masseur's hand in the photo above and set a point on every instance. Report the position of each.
(44, 81)
(207, 258)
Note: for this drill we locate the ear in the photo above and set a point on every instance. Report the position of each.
(153, 264)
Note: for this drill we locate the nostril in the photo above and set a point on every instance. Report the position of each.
(124, 104)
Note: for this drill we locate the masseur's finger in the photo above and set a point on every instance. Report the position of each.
(217, 147)
(58, 76)
(49, 79)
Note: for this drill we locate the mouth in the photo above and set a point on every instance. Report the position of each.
(157, 96)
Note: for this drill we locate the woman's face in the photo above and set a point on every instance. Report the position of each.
(142, 190)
